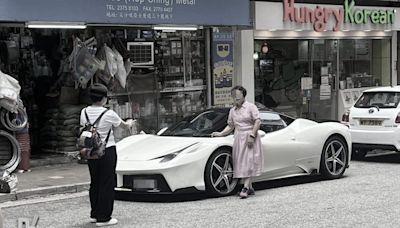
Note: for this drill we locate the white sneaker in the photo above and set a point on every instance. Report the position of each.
(110, 222)
(92, 220)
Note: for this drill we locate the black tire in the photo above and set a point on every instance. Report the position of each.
(218, 179)
(358, 154)
(334, 158)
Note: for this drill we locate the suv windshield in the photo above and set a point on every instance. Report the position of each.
(201, 124)
(378, 99)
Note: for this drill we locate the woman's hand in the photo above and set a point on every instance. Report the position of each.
(130, 122)
(250, 140)
(216, 134)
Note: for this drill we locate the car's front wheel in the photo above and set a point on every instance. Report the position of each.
(334, 158)
(219, 174)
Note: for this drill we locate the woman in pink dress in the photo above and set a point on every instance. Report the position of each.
(247, 151)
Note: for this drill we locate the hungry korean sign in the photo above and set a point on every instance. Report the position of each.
(348, 13)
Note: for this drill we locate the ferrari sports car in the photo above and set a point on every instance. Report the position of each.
(184, 157)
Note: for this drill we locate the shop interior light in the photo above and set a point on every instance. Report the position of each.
(56, 25)
(190, 28)
(255, 56)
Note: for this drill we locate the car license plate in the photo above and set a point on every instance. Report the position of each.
(371, 122)
(144, 184)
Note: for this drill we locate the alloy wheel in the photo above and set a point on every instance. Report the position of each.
(335, 157)
(221, 174)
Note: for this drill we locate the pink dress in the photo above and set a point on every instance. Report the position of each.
(247, 161)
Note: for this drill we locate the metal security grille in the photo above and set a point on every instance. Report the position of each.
(141, 53)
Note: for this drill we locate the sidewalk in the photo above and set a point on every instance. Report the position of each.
(50, 179)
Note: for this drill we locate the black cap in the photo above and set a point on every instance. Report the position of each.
(98, 90)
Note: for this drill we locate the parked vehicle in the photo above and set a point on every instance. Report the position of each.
(184, 157)
(374, 121)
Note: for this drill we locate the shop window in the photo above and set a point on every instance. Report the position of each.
(167, 78)
(278, 73)
(162, 93)
(364, 63)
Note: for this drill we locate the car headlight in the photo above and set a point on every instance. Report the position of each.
(170, 156)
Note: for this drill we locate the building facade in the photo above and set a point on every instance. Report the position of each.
(180, 56)
(313, 59)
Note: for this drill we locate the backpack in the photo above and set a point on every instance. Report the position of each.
(90, 144)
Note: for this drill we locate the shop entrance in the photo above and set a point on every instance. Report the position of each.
(307, 77)
(322, 102)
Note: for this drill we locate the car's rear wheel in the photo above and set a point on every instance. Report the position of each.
(359, 153)
(334, 158)
(219, 174)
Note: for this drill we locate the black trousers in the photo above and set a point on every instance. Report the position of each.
(102, 183)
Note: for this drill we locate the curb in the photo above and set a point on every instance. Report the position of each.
(45, 191)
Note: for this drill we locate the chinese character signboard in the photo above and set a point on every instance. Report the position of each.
(222, 59)
(195, 12)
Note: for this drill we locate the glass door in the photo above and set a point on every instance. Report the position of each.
(322, 102)
(298, 77)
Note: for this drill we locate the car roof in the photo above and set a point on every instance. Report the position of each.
(384, 89)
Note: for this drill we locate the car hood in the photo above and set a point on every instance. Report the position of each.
(147, 147)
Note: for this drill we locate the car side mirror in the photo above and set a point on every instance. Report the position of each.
(162, 131)
(261, 133)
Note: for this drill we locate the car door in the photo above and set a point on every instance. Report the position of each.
(277, 145)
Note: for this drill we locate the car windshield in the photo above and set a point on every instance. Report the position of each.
(378, 99)
(271, 122)
(200, 125)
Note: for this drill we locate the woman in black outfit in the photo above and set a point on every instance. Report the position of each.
(102, 171)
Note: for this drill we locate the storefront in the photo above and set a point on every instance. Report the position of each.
(313, 60)
(166, 45)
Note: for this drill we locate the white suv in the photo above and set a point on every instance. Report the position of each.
(374, 121)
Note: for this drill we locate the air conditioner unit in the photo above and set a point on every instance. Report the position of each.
(141, 53)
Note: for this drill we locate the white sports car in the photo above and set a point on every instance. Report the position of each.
(184, 157)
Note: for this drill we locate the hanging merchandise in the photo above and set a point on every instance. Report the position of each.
(12, 50)
(83, 63)
(111, 59)
(128, 67)
(121, 71)
(14, 121)
(107, 55)
(9, 92)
